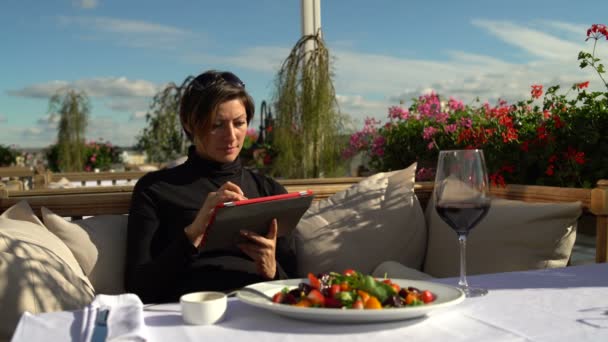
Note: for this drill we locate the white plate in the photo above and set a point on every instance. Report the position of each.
(446, 296)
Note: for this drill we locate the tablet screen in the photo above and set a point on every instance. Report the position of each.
(255, 215)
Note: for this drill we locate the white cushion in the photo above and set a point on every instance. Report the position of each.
(376, 220)
(514, 236)
(99, 244)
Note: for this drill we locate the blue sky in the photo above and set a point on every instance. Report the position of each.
(122, 52)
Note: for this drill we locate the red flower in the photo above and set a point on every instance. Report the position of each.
(549, 170)
(537, 91)
(558, 122)
(542, 133)
(524, 146)
(497, 179)
(596, 31)
(508, 168)
(552, 159)
(583, 85)
(579, 158)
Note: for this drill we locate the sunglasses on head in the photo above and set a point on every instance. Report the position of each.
(206, 80)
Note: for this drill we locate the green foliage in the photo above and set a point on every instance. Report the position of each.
(163, 139)
(73, 108)
(52, 157)
(8, 155)
(97, 155)
(100, 155)
(308, 120)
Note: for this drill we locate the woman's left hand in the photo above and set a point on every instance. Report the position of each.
(262, 250)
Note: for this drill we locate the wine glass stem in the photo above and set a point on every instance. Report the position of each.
(462, 241)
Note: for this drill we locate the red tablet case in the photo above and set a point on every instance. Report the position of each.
(256, 214)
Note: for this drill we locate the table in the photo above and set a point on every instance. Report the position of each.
(564, 304)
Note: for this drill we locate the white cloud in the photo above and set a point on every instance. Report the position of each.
(94, 87)
(540, 44)
(86, 4)
(139, 115)
(132, 104)
(131, 33)
(358, 108)
(44, 133)
(259, 58)
(49, 121)
(368, 79)
(369, 83)
(121, 133)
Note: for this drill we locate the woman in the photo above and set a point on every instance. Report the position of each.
(171, 208)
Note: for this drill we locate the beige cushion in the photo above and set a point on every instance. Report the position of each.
(394, 270)
(376, 220)
(35, 285)
(22, 234)
(99, 244)
(513, 236)
(38, 273)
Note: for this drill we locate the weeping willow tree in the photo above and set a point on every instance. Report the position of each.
(163, 139)
(308, 121)
(73, 109)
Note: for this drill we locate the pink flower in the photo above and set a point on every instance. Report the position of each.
(450, 128)
(398, 113)
(429, 132)
(466, 122)
(455, 105)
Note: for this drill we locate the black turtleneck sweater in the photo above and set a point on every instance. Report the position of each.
(162, 263)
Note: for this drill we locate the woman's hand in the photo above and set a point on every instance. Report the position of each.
(226, 193)
(262, 250)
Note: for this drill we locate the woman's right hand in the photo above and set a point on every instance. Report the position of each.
(226, 193)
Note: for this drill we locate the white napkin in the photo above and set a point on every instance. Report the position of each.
(124, 320)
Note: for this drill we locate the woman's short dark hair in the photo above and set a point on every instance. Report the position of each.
(203, 95)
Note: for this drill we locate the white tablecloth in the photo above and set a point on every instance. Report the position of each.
(567, 304)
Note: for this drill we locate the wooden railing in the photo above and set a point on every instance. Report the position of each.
(91, 201)
(97, 177)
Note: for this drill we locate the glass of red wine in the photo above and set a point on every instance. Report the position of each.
(462, 199)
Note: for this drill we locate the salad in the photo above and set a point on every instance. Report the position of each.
(351, 290)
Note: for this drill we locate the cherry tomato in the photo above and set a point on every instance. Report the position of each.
(358, 304)
(316, 298)
(344, 286)
(314, 281)
(334, 289)
(349, 271)
(427, 296)
(278, 297)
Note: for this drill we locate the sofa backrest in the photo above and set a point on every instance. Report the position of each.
(93, 201)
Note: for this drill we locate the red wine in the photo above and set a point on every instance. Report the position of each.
(462, 217)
